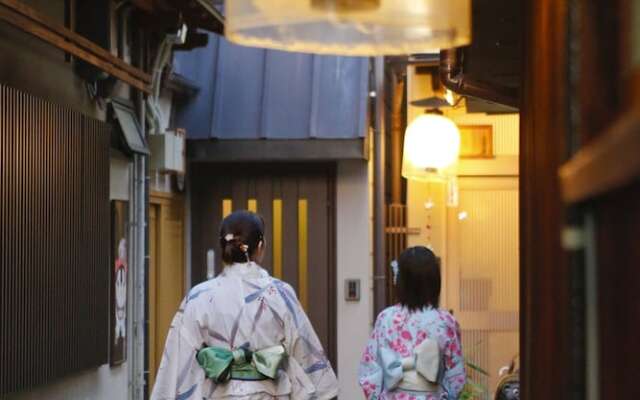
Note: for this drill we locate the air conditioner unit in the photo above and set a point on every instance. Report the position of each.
(168, 151)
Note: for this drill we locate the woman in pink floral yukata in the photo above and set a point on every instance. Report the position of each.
(414, 352)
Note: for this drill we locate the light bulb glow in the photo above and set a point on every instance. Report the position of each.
(448, 95)
(431, 144)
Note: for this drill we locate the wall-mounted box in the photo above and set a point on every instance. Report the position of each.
(168, 151)
(352, 289)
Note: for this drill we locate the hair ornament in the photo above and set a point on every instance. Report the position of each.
(394, 270)
(228, 237)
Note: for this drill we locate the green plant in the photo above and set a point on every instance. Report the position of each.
(473, 390)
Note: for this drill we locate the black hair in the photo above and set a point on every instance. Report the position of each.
(240, 235)
(418, 278)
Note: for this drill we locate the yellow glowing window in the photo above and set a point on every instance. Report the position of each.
(277, 238)
(252, 205)
(227, 207)
(303, 251)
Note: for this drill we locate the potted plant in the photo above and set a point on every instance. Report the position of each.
(474, 390)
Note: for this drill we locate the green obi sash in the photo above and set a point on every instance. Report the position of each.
(221, 364)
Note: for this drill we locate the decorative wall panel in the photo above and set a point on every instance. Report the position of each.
(54, 241)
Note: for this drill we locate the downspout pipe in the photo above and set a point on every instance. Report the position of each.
(163, 56)
(453, 77)
(379, 201)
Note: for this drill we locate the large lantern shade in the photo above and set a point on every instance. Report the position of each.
(350, 27)
(431, 147)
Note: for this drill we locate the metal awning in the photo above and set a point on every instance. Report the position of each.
(131, 132)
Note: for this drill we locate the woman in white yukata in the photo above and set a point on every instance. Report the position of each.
(414, 352)
(243, 335)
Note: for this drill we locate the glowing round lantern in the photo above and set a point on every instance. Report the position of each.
(350, 27)
(431, 146)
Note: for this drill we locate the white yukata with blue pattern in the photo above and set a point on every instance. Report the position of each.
(244, 306)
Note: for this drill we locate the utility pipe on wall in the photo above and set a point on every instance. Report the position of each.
(397, 133)
(454, 78)
(379, 203)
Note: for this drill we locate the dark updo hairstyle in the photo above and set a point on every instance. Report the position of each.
(418, 278)
(240, 234)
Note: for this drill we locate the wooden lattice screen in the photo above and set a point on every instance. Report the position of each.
(396, 242)
(54, 241)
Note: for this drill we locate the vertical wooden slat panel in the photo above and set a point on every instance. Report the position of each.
(3, 223)
(214, 215)
(46, 244)
(22, 261)
(227, 207)
(252, 205)
(396, 240)
(264, 197)
(313, 189)
(277, 190)
(277, 238)
(54, 205)
(239, 192)
(17, 238)
(10, 214)
(290, 231)
(201, 224)
(303, 252)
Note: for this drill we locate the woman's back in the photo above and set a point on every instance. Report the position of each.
(243, 308)
(414, 352)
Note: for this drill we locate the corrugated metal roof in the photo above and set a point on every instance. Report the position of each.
(249, 93)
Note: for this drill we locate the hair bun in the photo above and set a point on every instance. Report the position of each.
(240, 235)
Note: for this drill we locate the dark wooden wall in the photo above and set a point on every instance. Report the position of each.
(543, 267)
(54, 241)
(580, 126)
(609, 95)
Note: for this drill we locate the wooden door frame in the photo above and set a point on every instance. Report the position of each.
(199, 172)
(159, 201)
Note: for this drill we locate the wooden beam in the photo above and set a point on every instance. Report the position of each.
(275, 150)
(73, 37)
(608, 162)
(34, 23)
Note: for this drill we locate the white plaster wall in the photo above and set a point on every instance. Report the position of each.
(104, 383)
(354, 261)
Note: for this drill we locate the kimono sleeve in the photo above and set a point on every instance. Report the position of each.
(454, 375)
(179, 373)
(369, 371)
(309, 365)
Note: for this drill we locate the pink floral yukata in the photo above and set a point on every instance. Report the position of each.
(400, 330)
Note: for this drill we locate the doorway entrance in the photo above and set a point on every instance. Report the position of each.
(297, 204)
(482, 274)
(166, 271)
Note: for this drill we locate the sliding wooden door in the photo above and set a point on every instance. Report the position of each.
(297, 203)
